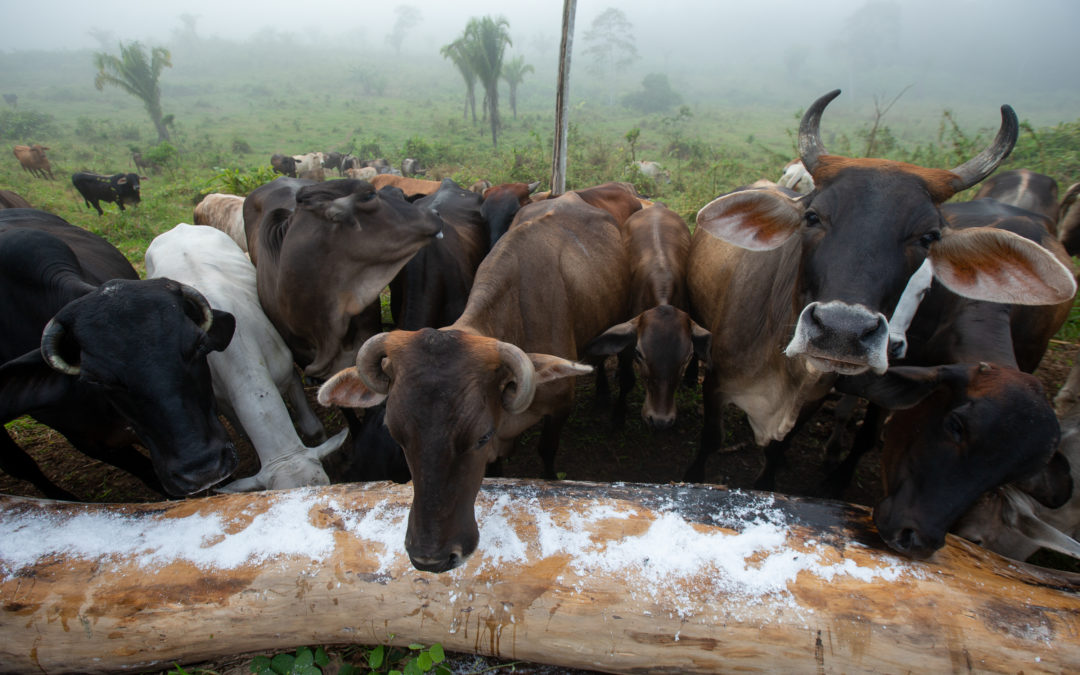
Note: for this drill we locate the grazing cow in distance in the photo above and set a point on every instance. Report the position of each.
(1069, 220)
(11, 200)
(223, 212)
(254, 376)
(350, 162)
(1035, 192)
(653, 171)
(968, 416)
(279, 193)
(661, 338)
(283, 164)
(310, 166)
(796, 177)
(457, 397)
(33, 160)
(367, 173)
(332, 160)
(119, 188)
(106, 359)
(323, 264)
(142, 163)
(797, 290)
(411, 167)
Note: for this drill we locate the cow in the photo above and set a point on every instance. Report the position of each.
(33, 160)
(1035, 192)
(501, 204)
(615, 198)
(412, 187)
(323, 264)
(968, 416)
(107, 359)
(283, 164)
(223, 212)
(661, 338)
(1069, 220)
(310, 166)
(141, 163)
(350, 162)
(367, 173)
(372, 453)
(653, 171)
(332, 160)
(279, 193)
(254, 376)
(12, 200)
(119, 188)
(456, 397)
(796, 177)
(797, 290)
(480, 186)
(411, 167)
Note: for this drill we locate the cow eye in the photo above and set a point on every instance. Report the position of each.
(812, 219)
(929, 238)
(954, 427)
(485, 439)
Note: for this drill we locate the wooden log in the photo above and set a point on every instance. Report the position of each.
(620, 578)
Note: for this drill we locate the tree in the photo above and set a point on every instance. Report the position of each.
(610, 41)
(137, 73)
(655, 95)
(408, 17)
(514, 72)
(457, 52)
(486, 41)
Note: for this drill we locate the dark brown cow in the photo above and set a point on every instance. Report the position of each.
(1068, 225)
(968, 416)
(615, 198)
(501, 204)
(661, 338)
(283, 164)
(797, 290)
(11, 200)
(279, 193)
(33, 160)
(323, 264)
(457, 397)
(1026, 189)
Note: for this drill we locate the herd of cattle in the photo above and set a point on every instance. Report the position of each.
(862, 280)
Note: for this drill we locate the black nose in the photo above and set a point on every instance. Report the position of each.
(913, 543)
(440, 564)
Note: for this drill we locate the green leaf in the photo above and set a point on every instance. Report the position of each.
(416, 646)
(443, 670)
(321, 657)
(259, 664)
(304, 658)
(376, 656)
(411, 668)
(348, 669)
(282, 663)
(437, 653)
(424, 662)
(307, 670)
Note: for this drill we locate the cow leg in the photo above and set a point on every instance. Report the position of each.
(712, 429)
(97, 206)
(549, 441)
(16, 463)
(311, 429)
(776, 451)
(835, 446)
(837, 481)
(601, 388)
(626, 385)
(127, 458)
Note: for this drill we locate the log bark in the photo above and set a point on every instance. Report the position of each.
(619, 578)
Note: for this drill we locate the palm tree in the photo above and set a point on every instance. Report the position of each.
(487, 39)
(458, 53)
(514, 72)
(137, 74)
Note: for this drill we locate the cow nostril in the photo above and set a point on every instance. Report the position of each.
(906, 540)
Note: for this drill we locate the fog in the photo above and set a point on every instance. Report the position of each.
(785, 52)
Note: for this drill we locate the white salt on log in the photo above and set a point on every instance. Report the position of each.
(619, 578)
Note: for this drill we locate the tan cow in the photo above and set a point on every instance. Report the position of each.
(410, 186)
(224, 212)
(33, 160)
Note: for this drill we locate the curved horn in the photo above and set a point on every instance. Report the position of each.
(517, 396)
(983, 164)
(50, 348)
(810, 145)
(196, 298)
(369, 364)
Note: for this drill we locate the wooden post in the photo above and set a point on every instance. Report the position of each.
(562, 99)
(619, 578)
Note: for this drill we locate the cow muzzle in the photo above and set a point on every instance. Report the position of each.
(836, 337)
(904, 534)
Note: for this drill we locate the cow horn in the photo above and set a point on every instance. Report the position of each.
(196, 298)
(810, 145)
(369, 364)
(50, 348)
(982, 165)
(518, 395)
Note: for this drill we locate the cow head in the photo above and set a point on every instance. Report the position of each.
(857, 238)
(142, 346)
(664, 340)
(127, 188)
(956, 432)
(450, 397)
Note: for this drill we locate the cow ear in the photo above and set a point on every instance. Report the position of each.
(550, 368)
(758, 220)
(899, 388)
(702, 340)
(221, 331)
(347, 390)
(27, 383)
(985, 263)
(1052, 486)
(613, 340)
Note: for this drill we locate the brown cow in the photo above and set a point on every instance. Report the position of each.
(661, 338)
(412, 187)
(457, 397)
(1035, 192)
(279, 193)
(501, 204)
(11, 200)
(33, 160)
(323, 263)
(224, 212)
(1069, 220)
(797, 290)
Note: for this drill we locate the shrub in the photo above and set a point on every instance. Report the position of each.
(25, 124)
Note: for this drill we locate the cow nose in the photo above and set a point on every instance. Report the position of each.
(836, 321)
(657, 421)
(437, 564)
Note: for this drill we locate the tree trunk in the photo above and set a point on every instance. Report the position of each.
(620, 578)
(562, 100)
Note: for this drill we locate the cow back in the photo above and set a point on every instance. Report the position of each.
(658, 245)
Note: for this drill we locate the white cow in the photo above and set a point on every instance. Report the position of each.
(310, 166)
(226, 213)
(653, 170)
(253, 374)
(796, 177)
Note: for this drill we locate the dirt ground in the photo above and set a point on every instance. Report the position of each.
(590, 450)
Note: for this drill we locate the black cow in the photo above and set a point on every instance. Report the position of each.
(119, 188)
(106, 359)
(283, 164)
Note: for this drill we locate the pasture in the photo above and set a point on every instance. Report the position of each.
(226, 129)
